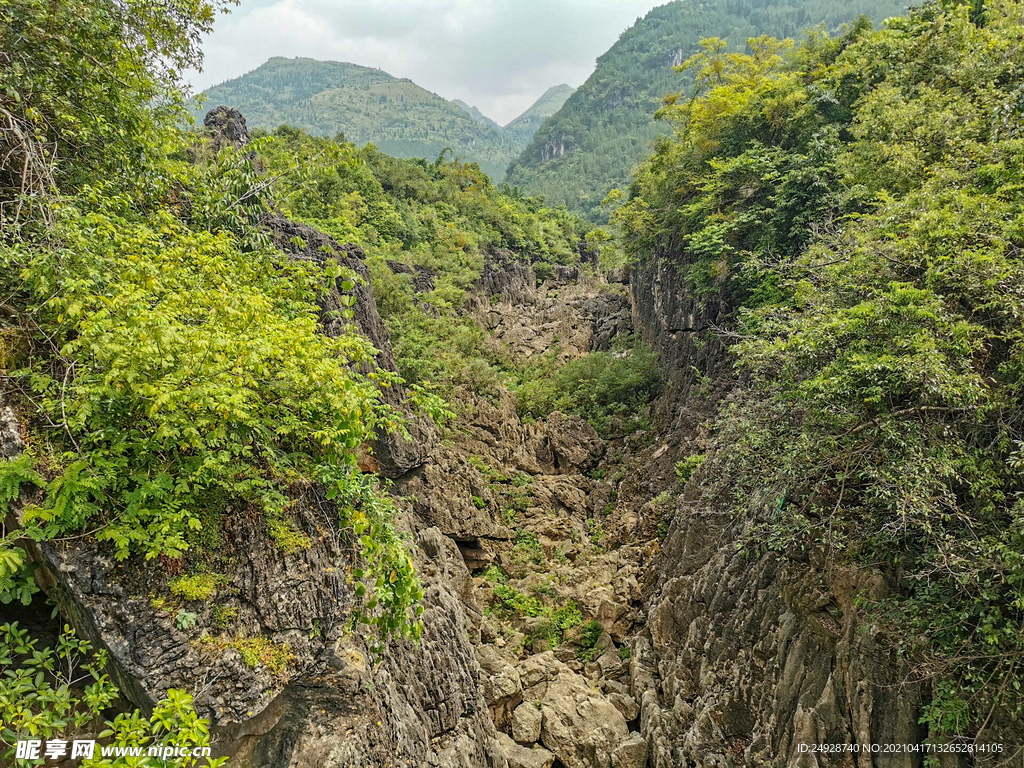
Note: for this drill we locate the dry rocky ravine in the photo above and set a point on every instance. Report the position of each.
(582, 609)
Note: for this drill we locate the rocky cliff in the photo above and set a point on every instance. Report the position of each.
(582, 608)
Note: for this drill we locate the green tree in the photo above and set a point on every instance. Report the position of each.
(859, 205)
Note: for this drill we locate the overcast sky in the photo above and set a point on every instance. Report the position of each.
(498, 55)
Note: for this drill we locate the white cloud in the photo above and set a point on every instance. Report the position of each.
(498, 55)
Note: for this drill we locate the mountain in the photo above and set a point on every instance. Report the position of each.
(476, 114)
(526, 125)
(366, 105)
(606, 127)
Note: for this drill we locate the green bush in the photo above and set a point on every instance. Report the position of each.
(58, 692)
(609, 389)
(178, 355)
(689, 465)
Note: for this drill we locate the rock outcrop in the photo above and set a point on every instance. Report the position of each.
(580, 610)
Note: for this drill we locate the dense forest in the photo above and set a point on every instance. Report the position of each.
(366, 105)
(857, 201)
(607, 126)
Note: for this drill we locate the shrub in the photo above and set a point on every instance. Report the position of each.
(689, 465)
(56, 693)
(609, 389)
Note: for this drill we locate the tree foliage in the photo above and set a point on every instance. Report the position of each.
(163, 356)
(439, 221)
(89, 88)
(56, 692)
(860, 202)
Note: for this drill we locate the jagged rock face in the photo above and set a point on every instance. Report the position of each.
(740, 659)
(570, 312)
(392, 454)
(421, 707)
(422, 277)
(226, 127)
(678, 323)
(336, 708)
(748, 658)
(10, 438)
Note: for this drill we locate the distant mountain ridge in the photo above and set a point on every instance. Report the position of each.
(366, 104)
(526, 125)
(607, 125)
(475, 113)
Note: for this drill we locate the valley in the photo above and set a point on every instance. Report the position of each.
(320, 448)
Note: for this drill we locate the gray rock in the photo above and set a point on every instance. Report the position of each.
(579, 725)
(11, 443)
(502, 688)
(632, 753)
(526, 722)
(519, 756)
(626, 704)
(226, 128)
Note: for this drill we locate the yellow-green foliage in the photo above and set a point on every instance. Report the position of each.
(860, 199)
(166, 337)
(257, 652)
(196, 587)
(442, 216)
(287, 536)
(62, 692)
(168, 361)
(224, 616)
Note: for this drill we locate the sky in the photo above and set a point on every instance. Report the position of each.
(497, 55)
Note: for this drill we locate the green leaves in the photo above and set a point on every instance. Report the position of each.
(187, 366)
(872, 244)
(56, 693)
(609, 389)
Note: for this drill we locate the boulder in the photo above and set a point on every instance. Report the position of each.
(579, 725)
(519, 756)
(626, 704)
(501, 686)
(526, 721)
(632, 753)
(575, 444)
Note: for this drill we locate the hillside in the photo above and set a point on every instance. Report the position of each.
(525, 126)
(366, 105)
(606, 127)
(475, 113)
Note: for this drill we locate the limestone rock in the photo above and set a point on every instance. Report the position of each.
(10, 439)
(626, 704)
(574, 443)
(526, 722)
(226, 127)
(502, 687)
(579, 725)
(632, 753)
(519, 756)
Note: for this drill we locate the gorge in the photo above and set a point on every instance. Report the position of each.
(337, 459)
